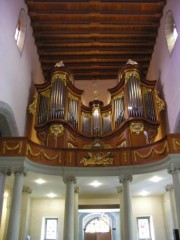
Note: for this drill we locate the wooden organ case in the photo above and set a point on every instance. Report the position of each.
(132, 118)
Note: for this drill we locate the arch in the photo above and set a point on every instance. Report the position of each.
(8, 127)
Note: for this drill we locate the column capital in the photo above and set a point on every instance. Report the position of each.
(27, 190)
(6, 171)
(69, 179)
(20, 171)
(169, 187)
(77, 190)
(173, 169)
(125, 178)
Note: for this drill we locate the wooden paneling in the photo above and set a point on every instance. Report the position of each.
(94, 38)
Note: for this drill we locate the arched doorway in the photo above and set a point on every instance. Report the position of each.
(98, 228)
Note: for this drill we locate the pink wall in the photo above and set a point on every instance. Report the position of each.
(166, 68)
(16, 72)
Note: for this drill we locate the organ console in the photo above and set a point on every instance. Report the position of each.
(132, 118)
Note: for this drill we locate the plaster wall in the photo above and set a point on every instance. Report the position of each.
(151, 206)
(17, 71)
(142, 206)
(165, 67)
(46, 208)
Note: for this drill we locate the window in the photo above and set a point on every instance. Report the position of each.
(49, 229)
(170, 31)
(101, 224)
(20, 31)
(144, 228)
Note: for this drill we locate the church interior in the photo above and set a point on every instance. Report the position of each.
(89, 120)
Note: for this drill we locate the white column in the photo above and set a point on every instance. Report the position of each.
(2, 186)
(14, 219)
(176, 183)
(69, 209)
(76, 219)
(25, 213)
(127, 205)
(120, 191)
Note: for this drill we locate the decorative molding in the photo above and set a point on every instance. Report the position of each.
(137, 128)
(32, 107)
(125, 178)
(99, 158)
(57, 130)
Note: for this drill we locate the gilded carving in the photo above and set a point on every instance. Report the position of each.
(42, 152)
(72, 97)
(59, 76)
(86, 115)
(119, 96)
(32, 107)
(131, 73)
(16, 147)
(107, 114)
(57, 130)
(160, 105)
(151, 152)
(137, 128)
(97, 159)
(46, 93)
(176, 144)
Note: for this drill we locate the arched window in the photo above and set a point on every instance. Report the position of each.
(20, 31)
(171, 33)
(99, 224)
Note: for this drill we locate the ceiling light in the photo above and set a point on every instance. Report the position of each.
(40, 181)
(144, 193)
(95, 184)
(155, 179)
(51, 195)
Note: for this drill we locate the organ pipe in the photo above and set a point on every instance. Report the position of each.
(133, 99)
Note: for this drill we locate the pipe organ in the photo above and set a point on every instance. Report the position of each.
(132, 118)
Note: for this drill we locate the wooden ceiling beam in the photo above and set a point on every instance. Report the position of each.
(95, 6)
(95, 18)
(93, 28)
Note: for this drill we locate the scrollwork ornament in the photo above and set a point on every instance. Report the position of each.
(32, 107)
(137, 128)
(57, 130)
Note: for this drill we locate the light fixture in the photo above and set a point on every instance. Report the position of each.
(155, 179)
(51, 195)
(144, 193)
(40, 181)
(95, 184)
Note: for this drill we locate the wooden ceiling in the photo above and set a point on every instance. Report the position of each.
(94, 38)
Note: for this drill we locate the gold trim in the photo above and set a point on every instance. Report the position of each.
(59, 76)
(57, 130)
(160, 104)
(33, 154)
(72, 97)
(97, 159)
(137, 128)
(18, 146)
(175, 144)
(107, 114)
(152, 150)
(86, 115)
(119, 96)
(131, 73)
(32, 107)
(46, 93)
